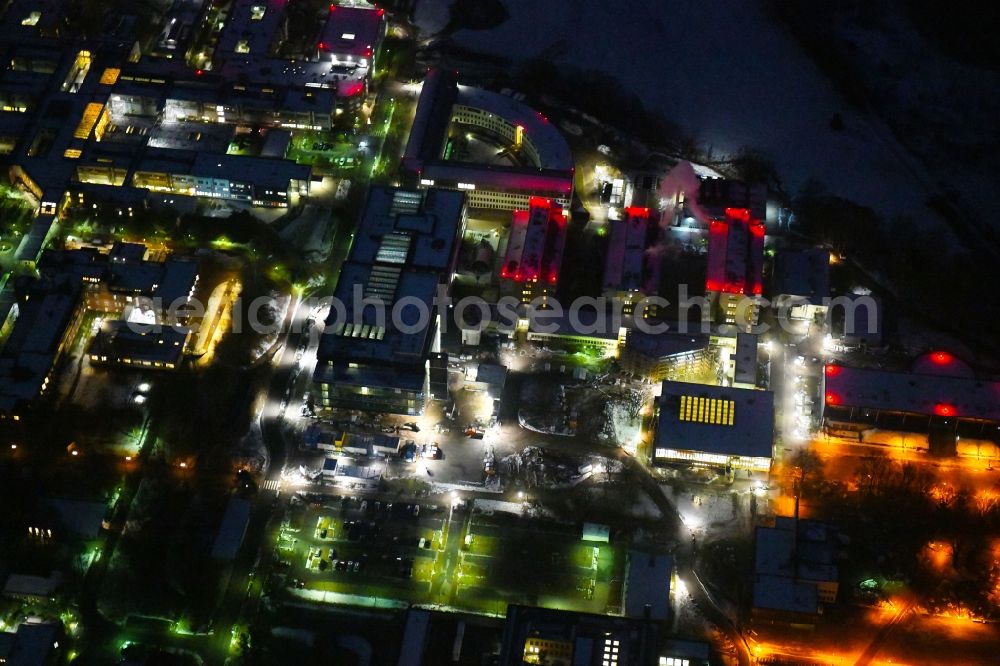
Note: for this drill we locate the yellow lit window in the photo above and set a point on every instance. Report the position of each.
(87, 121)
(110, 76)
(706, 410)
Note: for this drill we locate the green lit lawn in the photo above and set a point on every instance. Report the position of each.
(323, 149)
(506, 560)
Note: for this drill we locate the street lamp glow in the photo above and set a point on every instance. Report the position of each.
(143, 387)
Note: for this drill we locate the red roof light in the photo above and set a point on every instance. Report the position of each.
(941, 357)
(942, 409)
(738, 213)
(636, 211)
(832, 370)
(832, 399)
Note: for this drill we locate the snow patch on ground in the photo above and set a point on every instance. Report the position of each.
(724, 71)
(703, 510)
(492, 506)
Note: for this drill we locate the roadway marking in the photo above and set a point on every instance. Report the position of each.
(271, 484)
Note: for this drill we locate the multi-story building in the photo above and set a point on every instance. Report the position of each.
(340, 60)
(692, 196)
(715, 426)
(557, 637)
(100, 111)
(534, 253)
(382, 336)
(795, 570)
(735, 274)
(542, 161)
(255, 180)
(655, 357)
(632, 267)
(49, 316)
(137, 345)
(144, 303)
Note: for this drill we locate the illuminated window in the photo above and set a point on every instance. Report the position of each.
(707, 410)
(72, 153)
(243, 46)
(110, 76)
(32, 18)
(87, 121)
(257, 12)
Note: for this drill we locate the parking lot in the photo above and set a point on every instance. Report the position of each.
(380, 553)
(361, 548)
(509, 559)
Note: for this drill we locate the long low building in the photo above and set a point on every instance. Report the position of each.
(548, 636)
(939, 393)
(259, 181)
(714, 425)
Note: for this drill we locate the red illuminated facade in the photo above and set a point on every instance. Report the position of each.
(736, 254)
(534, 250)
(735, 260)
(352, 33)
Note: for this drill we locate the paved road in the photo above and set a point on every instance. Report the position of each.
(685, 560)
